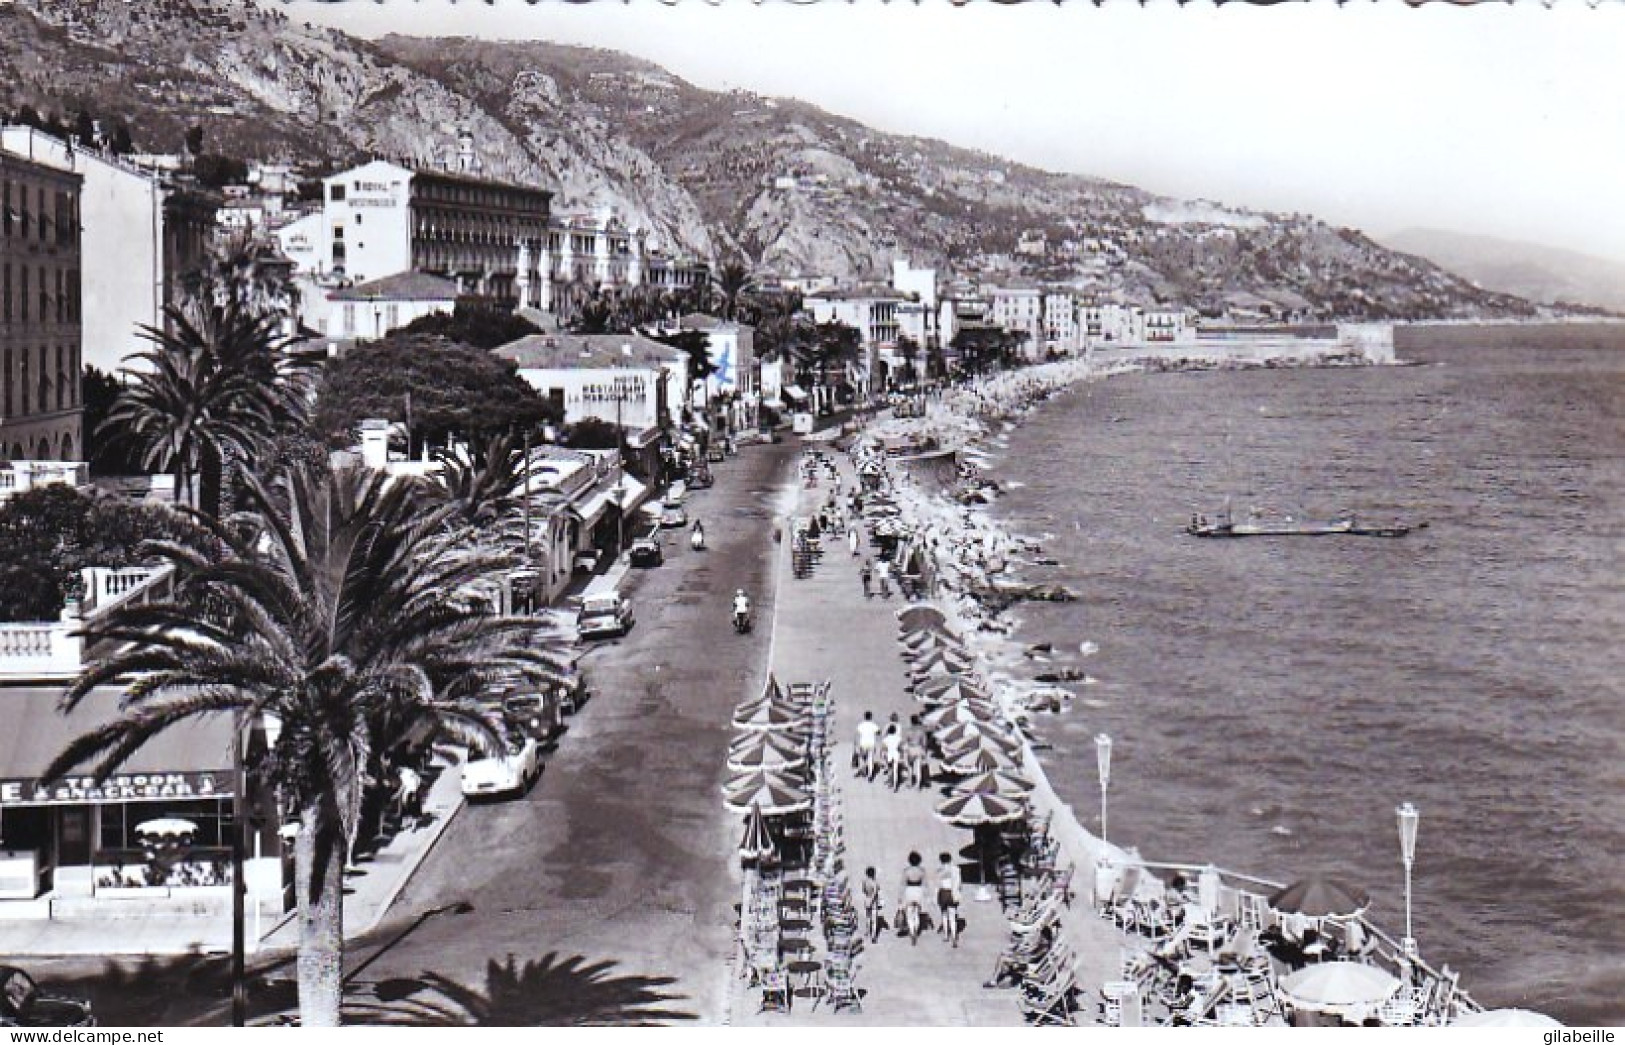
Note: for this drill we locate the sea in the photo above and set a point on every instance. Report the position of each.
(1272, 701)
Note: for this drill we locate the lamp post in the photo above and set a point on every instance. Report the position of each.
(1103, 762)
(1408, 817)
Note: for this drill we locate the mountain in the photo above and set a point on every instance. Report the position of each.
(1530, 271)
(795, 189)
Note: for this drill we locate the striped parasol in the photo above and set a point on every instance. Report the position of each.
(752, 779)
(758, 841)
(773, 799)
(977, 759)
(764, 756)
(916, 617)
(1003, 782)
(979, 809)
(933, 643)
(768, 715)
(942, 660)
(947, 689)
(964, 709)
(960, 735)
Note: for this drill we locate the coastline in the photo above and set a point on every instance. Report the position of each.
(981, 549)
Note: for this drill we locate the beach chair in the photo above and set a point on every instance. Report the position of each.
(1442, 1002)
(775, 985)
(1255, 911)
(1202, 928)
(1061, 886)
(1054, 1006)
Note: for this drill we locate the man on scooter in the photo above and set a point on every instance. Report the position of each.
(741, 611)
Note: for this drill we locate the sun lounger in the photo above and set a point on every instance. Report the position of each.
(1054, 1007)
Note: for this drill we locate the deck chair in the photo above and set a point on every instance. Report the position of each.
(775, 984)
(1442, 1005)
(1061, 885)
(1043, 914)
(841, 988)
(1054, 1006)
(1203, 928)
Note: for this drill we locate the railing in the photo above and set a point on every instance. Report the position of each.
(1388, 949)
(56, 649)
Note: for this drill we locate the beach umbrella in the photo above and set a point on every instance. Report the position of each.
(1002, 782)
(946, 687)
(927, 634)
(764, 756)
(1335, 987)
(748, 739)
(933, 643)
(751, 779)
(977, 759)
(943, 661)
(772, 691)
(166, 828)
(767, 715)
(961, 735)
(758, 841)
(916, 617)
(1506, 1018)
(773, 799)
(1319, 896)
(967, 709)
(977, 809)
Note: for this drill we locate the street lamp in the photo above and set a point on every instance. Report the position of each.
(1408, 817)
(1103, 762)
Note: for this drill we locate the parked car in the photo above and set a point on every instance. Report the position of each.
(510, 773)
(587, 561)
(646, 551)
(539, 716)
(672, 516)
(23, 1004)
(700, 478)
(715, 452)
(604, 614)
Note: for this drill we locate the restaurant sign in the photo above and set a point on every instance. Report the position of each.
(128, 787)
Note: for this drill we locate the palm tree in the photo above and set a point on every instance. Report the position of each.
(729, 282)
(217, 386)
(345, 612)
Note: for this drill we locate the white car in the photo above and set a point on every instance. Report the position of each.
(604, 614)
(508, 774)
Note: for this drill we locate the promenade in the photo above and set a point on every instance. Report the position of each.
(824, 628)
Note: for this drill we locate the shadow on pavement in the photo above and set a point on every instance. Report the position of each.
(549, 992)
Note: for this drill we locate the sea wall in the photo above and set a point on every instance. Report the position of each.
(1352, 344)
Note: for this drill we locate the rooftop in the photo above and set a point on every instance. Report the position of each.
(402, 286)
(565, 351)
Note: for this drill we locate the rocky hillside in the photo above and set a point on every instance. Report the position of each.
(795, 189)
(1527, 270)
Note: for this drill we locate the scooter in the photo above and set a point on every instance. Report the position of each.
(696, 539)
(742, 622)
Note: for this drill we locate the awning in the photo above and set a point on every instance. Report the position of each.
(187, 761)
(632, 494)
(642, 438)
(592, 509)
(793, 393)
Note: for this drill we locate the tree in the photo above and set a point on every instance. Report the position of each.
(438, 387)
(909, 349)
(478, 323)
(122, 144)
(49, 534)
(592, 433)
(84, 128)
(214, 171)
(339, 608)
(194, 139)
(214, 387)
(696, 344)
(98, 391)
(729, 282)
(834, 348)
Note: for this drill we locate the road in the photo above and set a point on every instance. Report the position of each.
(608, 885)
(604, 896)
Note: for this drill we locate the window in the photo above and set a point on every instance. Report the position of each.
(7, 293)
(61, 379)
(349, 319)
(23, 291)
(5, 208)
(61, 299)
(5, 380)
(39, 211)
(22, 378)
(335, 193)
(44, 296)
(358, 219)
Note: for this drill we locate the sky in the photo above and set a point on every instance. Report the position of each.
(1501, 119)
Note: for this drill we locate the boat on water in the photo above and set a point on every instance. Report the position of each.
(1224, 526)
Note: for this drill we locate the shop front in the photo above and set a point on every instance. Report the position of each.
(160, 825)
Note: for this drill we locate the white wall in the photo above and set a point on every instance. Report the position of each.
(377, 194)
(594, 393)
(374, 319)
(120, 250)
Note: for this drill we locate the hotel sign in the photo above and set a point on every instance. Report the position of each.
(125, 787)
(624, 388)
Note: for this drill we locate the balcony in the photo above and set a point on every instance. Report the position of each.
(46, 650)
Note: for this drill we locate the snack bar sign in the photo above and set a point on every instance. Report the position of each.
(131, 787)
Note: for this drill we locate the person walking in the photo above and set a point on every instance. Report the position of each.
(852, 539)
(863, 753)
(949, 886)
(912, 910)
(866, 571)
(874, 921)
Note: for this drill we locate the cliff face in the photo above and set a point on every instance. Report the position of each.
(795, 189)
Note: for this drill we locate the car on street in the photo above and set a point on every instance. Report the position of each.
(23, 1004)
(715, 452)
(646, 551)
(510, 773)
(699, 477)
(539, 716)
(673, 516)
(604, 614)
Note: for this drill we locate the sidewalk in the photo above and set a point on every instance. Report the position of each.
(825, 629)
